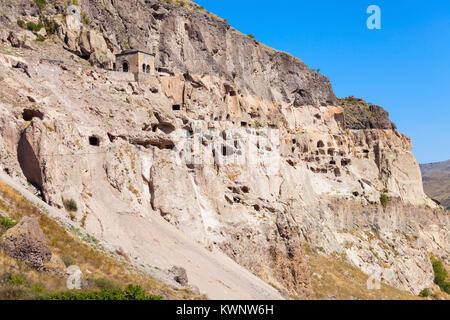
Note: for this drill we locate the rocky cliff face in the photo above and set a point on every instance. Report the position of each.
(260, 158)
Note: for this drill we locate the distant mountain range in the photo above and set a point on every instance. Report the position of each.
(436, 181)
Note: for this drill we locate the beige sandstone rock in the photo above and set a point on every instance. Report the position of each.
(26, 241)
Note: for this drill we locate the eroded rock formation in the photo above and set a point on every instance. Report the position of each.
(26, 242)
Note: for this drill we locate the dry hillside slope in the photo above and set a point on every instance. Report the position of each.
(436, 181)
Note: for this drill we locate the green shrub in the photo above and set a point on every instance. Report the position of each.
(50, 27)
(75, 2)
(34, 27)
(85, 19)
(384, 200)
(137, 293)
(37, 288)
(70, 205)
(440, 276)
(21, 23)
(425, 293)
(7, 223)
(131, 292)
(40, 3)
(251, 35)
(17, 280)
(198, 7)
(445, 286)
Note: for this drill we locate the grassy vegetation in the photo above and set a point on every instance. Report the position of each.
(31, 26)
(68, 260)
(85, 19)
(334, 278)
(6, 223)
(180, 3)
(70, 205)
(17, 280)
(21, 23)
(384, 200)
(41, 3)
(131, 292)
(198, 7)
(425, 293)
(65, 243)
(48, 24)
(440, 276)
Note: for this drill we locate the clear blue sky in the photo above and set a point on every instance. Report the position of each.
(404, 67)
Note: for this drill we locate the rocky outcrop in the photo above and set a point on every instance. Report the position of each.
(361, 115)
(179, 275)
(21, 40)
(26, 241)
(86, 43)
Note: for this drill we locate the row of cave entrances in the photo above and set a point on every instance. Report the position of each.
(95, 140)
(126, 67)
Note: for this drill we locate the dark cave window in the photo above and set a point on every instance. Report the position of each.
(94, 141)
(125, 67)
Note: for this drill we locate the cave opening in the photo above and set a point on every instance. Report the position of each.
(94, 141)
(29, 114)
(111, 137)
(30, 165)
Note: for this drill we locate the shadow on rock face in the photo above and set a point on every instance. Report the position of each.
(29, 163)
